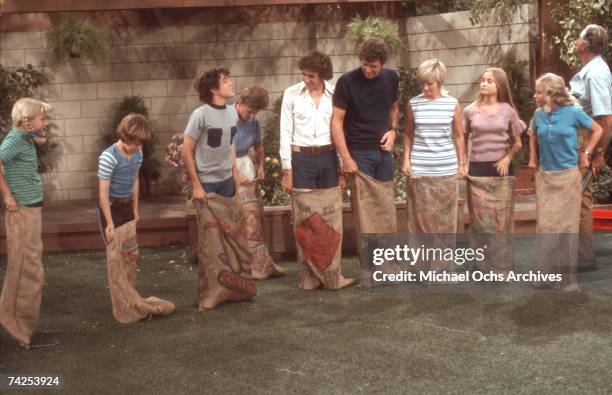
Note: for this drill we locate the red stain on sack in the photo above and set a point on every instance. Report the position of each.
(318, 240)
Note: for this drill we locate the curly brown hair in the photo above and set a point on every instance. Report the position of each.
(374, 48)
(317, 62)
(209, 81)
(255, 97)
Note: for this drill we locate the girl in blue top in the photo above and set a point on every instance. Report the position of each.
(556, 124)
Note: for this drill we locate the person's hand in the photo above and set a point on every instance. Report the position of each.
(461, 172)
(503, 166)
(387, 140)
(349, 166)
(597, 163)
(584, 161)
(406, 167)
(342, 181)
(287, 180)
(533, 164)
(109, 232)
(199, 193)
(260, 173)
(240, 178)
(11, 203)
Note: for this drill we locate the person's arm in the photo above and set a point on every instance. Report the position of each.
(259, 159)
(239, 178)
(388, 139)
(135, 193)
(104, 202)
(517, 126)
(596, 133)
(459, 136)
(605, 121)
(533, 144)
(286, 136)
(337, 130)
(408, 139)
(9, 199)
(189, 144)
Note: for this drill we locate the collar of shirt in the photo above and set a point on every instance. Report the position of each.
(593, 64)
(327, 92)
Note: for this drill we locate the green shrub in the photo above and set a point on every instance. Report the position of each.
(76, 39)
(273, 193)
(359, 29)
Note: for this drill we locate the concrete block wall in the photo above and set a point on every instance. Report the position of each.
(160, 62)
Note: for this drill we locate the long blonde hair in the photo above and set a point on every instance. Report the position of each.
(555, 90)
(503, 87)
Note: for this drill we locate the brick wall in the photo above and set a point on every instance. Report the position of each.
(159, 61)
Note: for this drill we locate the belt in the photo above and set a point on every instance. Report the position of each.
(314, 150)
(120, 200)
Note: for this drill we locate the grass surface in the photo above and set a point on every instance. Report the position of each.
(480, 338)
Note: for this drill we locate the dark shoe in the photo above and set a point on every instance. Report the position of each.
(41, 340)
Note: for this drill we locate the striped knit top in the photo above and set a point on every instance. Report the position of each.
(433, 150)
(18, 156)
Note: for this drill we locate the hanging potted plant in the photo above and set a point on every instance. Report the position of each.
(150, 168)
(76, 39)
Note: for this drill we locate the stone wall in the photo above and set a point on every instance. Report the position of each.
(159, 62)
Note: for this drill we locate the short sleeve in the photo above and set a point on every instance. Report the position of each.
(10, 148)
(582, 119)
(395, 85)
(340, 98)
(467, 119)
(106, 165)
(516, 125)
(257, 137)
(601, 97)
(195, 125)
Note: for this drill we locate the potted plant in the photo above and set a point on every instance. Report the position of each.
(150, 168)
(76, 39)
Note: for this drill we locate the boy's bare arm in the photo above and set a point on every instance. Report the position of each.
(11, 203)
(189, 145)
(135, 193)
(104, 201)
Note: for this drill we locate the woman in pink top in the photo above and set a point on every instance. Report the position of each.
(490, 122)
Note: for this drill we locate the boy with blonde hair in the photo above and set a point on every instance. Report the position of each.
(22, 190)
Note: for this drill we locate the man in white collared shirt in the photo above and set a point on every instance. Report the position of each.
(592, 86)
(307, 153)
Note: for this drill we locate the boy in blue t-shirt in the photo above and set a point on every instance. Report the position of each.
(118, 200)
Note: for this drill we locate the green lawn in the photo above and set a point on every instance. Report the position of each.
(480, 338)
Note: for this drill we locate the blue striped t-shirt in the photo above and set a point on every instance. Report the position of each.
(433, 150)
(121, 171)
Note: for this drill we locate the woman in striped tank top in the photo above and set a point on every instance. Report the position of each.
(434, 151)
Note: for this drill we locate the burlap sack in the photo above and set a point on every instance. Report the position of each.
(22, 289)
(223, 252)
(261, 265)
(558, 199)
(431, 209)
(491, 206)
(317, 220)
(373, 204)
(121, 257)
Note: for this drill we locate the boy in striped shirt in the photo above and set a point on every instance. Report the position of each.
(22, 190)
(118, 200)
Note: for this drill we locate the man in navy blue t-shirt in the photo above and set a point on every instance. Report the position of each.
(365, 116)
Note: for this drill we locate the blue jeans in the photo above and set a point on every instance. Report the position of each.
(486, 169)
(314, 171)
(376, 163)
(226, 188)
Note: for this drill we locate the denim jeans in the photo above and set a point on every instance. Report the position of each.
(486, 169)
(226, 188)
(376, 163)
(314, 171)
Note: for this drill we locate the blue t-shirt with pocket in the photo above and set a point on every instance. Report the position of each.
(557, 134)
